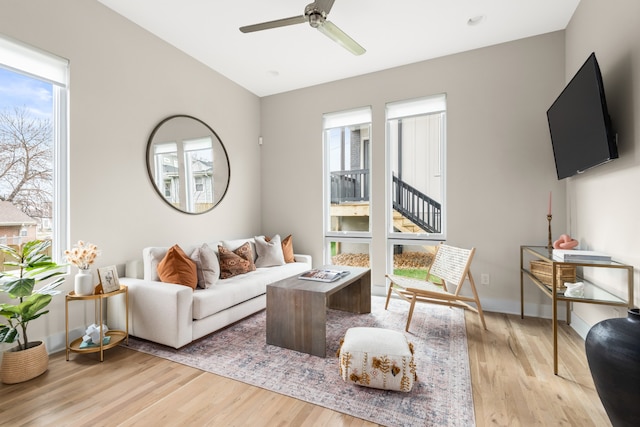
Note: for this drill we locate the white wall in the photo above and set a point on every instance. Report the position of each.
(499, 160)
(123, 82)
(500, 165)
(603, 203)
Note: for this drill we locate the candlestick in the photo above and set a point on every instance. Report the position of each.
(549, 211)
(549, 244)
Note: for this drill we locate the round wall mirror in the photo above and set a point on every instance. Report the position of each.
(188, 164)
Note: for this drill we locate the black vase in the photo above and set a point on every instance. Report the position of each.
(613, 353)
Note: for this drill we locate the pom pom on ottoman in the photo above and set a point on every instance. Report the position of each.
(378, 358)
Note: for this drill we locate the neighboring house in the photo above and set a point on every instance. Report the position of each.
(16, 227)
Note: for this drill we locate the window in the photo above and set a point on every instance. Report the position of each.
(416, 140)
(33, 126)
(196, 170)
(347, 182)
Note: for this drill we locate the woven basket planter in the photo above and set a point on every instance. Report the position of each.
(21, 366)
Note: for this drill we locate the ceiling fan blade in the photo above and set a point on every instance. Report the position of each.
(324, 5)
(336, 34)
(274, 24)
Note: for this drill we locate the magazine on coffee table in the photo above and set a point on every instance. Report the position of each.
(323, 275)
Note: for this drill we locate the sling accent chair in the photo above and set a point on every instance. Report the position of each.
(452, 266)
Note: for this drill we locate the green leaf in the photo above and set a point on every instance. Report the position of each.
(8, 334)
(31, 265)
(10, 311)
(31, 306)
(19, 287)
(50, 288)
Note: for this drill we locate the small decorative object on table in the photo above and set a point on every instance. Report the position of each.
(575, 290)
(324, 275)
(565, 242)
(549, 216)
(92, 336)
(82, 255)
(109, 279)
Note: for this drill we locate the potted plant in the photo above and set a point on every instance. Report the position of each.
(30, 265)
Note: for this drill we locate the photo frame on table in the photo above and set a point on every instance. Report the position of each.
(109, 279)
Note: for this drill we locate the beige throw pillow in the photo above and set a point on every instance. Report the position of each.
(207, 264)
(269, 253)
(287, 248)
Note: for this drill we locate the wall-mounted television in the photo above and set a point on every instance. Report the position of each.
(581, 133)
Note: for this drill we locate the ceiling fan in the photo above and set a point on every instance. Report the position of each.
(316, 15)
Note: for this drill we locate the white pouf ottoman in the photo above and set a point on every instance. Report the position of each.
(378, 358)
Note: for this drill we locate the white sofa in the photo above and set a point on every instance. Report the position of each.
(175, 315)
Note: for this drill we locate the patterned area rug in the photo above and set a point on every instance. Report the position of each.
(441, 397)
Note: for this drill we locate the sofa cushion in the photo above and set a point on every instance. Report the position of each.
(269, 252)
(208, 266)
(176, 267)
(287, 248)
(240, 288)
(238, 261)
(152, 255)
(232, 245)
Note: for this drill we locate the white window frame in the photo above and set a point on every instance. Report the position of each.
(36, 63)
(352, 117)
(412, 108)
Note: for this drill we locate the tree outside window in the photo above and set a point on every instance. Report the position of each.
(26, 158)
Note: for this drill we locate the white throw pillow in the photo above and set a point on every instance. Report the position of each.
(269, 253)
(208, 266)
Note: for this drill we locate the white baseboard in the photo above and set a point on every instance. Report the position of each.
(56, 342)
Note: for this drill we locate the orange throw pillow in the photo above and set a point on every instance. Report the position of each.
(176, 267)
(287, 248)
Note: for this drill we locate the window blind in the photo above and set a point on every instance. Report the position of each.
(416, 107)
(33, 62)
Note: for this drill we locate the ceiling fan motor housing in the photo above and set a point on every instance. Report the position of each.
(315, 16)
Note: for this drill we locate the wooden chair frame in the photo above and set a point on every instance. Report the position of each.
(450, 264)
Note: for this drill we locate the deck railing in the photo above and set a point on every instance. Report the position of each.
(350, 186)
(353, 186)
(417, 206)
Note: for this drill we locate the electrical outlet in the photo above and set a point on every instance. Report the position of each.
(485, 279)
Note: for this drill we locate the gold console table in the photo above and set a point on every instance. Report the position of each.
(593, 293)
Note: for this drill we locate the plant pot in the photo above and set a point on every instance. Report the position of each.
(83, 283)
(22, 365)
(613, 353)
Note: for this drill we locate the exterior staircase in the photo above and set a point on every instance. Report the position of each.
(404, 224)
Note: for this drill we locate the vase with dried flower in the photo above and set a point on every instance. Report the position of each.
(82, 255)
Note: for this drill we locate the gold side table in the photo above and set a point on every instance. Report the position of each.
(117, 336)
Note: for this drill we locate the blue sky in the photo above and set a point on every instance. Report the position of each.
(19, 90)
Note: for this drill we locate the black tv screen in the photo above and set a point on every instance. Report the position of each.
(579, 123)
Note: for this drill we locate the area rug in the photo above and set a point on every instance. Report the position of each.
(442, 395)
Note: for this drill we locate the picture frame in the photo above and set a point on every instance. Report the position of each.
(109, 279)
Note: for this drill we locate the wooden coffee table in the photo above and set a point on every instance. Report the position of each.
(297, 308)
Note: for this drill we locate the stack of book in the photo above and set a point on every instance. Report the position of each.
(574, 255)
(323, 275)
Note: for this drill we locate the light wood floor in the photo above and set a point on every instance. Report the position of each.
(511, 370)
